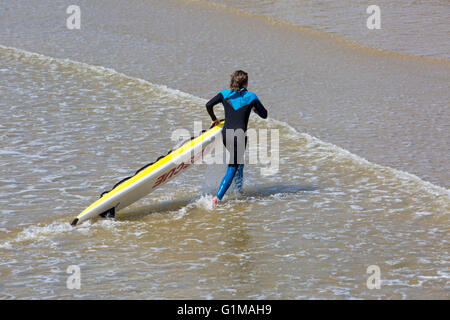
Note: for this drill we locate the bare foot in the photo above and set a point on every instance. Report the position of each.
(215, 202)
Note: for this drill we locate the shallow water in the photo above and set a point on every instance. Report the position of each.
(409, 27)
(77, 118)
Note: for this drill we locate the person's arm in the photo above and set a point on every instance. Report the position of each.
(211, 103)
(259, 108)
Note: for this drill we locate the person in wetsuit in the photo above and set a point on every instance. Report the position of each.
(238, 104)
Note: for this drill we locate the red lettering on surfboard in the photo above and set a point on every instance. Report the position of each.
(160, 180)
(164, 177)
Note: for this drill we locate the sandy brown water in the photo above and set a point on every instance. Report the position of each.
(410, 27)
(363, 158)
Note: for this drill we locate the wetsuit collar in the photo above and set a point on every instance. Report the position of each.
(240, 90)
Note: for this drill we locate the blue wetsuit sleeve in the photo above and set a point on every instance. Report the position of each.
(211, 103)
(259, 108)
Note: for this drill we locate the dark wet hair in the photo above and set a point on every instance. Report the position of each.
(238, 80)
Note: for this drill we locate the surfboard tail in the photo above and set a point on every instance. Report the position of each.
(111, 213)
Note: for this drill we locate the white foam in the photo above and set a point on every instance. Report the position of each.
(40, 232)
(203, 202)
(339, 152)
(403, 176)
(423, 213)
(6, 245)
(23, 55)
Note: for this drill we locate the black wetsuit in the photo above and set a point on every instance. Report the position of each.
(238, 106)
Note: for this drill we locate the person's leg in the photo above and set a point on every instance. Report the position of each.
(236, 165)
(242, 143)
(226, 181)
(240, 177)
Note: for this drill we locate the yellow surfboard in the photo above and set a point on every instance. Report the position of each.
(151, 177)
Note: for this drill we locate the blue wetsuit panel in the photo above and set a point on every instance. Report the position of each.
(237, 106)
(232, 172)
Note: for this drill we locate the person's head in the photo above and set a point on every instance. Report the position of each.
(239, 80)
